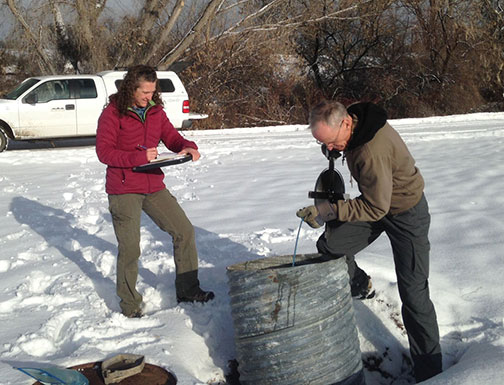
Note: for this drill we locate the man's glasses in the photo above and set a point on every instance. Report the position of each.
(339, 128)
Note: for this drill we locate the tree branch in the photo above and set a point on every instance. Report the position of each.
(31, 37)
(165, 32)
(175, 53)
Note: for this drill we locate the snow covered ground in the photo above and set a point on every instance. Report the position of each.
(57, 261)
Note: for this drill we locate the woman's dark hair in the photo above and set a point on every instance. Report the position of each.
(135, 75)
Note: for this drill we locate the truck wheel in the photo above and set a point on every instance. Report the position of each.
(4, 140)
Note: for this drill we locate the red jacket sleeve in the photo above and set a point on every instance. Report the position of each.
(172, 138)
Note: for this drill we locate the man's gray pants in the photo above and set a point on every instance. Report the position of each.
(408, 234)
(163, 208)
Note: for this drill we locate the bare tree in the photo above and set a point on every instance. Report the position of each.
(88, 31)
(161, 40)
(442, 73)
(343, 51)
(441, 32)
(488, 34)
(142, 32)
(148, 36)
(207, 15)
(264, 60)
(66, 43)
(44, 61)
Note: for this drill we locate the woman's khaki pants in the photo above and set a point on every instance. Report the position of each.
(163, 209)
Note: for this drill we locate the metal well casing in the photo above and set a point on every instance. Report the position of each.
(294, 324)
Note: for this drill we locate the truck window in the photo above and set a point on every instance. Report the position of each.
(51, 90)
(166, 85)
(21, 88)
(86, 88)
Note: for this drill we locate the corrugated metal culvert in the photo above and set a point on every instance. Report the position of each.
(294, 324)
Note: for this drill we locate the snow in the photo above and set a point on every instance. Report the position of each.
(57, 267)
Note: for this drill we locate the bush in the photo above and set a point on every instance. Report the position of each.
(249, 83)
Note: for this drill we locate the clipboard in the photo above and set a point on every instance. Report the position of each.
(164, 160)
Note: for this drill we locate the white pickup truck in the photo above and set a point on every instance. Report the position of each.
(65, 106)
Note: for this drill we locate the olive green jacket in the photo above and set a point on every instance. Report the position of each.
(386, 175)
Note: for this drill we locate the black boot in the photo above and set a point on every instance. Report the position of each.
(199, 296)
(361, 287)
(426, 366)
(188, 289)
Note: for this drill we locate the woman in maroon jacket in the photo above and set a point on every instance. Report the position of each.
(129, 131)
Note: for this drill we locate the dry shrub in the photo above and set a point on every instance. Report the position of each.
(247, 81)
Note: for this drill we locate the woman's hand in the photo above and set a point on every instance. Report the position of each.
(189, 150)
(151, 153)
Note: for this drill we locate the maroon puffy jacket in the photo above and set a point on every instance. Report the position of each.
(118, 138)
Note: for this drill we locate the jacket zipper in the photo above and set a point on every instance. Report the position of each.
(142, 120)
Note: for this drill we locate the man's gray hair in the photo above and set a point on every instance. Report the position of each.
(329, 112)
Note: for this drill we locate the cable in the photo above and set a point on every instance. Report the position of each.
(295, 247)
